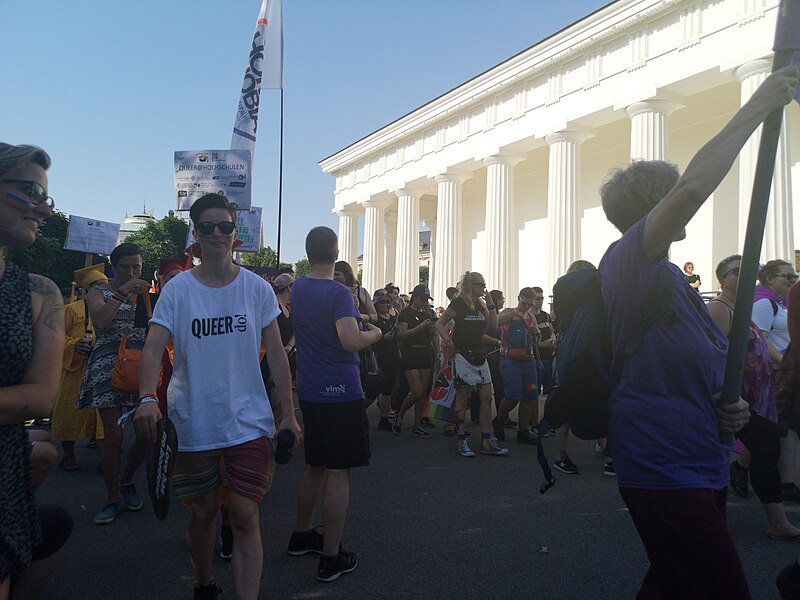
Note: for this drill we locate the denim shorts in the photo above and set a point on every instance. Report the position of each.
(520, 378)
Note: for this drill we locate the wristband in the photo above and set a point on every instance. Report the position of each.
(492, 307)
(147, 398)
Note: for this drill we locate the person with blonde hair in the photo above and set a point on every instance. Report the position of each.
(470, 313)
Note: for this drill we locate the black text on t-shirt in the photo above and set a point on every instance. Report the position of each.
(208, 326)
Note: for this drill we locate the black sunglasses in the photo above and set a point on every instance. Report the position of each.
(34, 191)
(788, 276)
(206, 228)
(733, 271)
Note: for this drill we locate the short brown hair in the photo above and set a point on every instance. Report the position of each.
(211, 201)
(322, 246)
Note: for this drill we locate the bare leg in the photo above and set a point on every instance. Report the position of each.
(485, 395)
(43, 456)
(526, 413)
(744, 462)
(248, 552)
(506, 406)
(562, 436)
(201, 535)
(334, 513)
(134, 457)
(462, 395)
(308, 492)
(778, 522)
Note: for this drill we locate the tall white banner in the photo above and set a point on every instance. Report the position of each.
(91, 235)
(223, 172)
(248, 226)
(264, 71)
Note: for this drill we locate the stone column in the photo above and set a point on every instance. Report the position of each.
(374, 244)
(649, 128)
(779, 230)
(563, 185)
(406, 268)
(448, 258)
(502, 240)
(431, 223)
(348, 237)
(391, 245)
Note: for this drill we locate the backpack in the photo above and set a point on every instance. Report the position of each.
(518, 340)
(583, 354)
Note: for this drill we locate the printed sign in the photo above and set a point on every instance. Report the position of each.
(91, 236)
(223, 172)
(248, 225)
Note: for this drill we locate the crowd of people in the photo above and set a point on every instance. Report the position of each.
(223, 351)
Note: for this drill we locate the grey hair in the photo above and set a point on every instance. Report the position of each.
(14, 158)
(629, 194)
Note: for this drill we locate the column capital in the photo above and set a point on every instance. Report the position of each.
(503, 159)
(376, 203)
(658, 105)
(347, 212)
(452, 177)
(578, 136)
(754, 67)
(407, 191)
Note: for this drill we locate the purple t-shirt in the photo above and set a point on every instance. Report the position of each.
(663, 428)
(326, 372)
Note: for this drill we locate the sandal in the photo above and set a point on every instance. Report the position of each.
(68, 464)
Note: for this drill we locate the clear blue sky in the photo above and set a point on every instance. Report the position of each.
(111, 88)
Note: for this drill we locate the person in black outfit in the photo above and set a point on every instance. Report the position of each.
(416, 329)
(387, 357)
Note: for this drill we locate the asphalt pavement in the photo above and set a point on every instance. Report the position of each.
(425, 523)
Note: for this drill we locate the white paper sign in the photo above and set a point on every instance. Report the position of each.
(91, 235)
(248, 224)
(223, 172)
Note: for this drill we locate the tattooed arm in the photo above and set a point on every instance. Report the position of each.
(35, 395)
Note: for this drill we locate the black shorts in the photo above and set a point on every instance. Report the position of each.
(417, 358)
(335, 434)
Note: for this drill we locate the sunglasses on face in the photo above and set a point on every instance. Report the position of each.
(482, 284)
(33, 190)
(206, 228)
(789, 276)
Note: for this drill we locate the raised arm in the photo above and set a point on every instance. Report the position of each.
(666, 222)
(35, 395)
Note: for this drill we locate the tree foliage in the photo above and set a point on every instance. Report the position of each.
(160, 239)
(265, 257)
(47, 256)
(302, 267)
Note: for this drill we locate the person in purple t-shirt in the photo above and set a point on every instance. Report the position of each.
(326, 327)
(664, 434)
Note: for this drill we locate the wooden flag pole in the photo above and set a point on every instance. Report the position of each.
(748, 270)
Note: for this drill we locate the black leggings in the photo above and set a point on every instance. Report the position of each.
(762, 439)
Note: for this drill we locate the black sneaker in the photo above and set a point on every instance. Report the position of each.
(499, 432)
(526, 437)
(209, 591)
(535, 431)
(608, 469)
(384, 424)
(330, 569)
(510, 423)
(739, 480)
(226, 552)
(791, 492)
(565, 465)
(427, 423)
(397, 425)
(303, 542)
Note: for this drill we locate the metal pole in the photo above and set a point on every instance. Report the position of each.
(280, 193)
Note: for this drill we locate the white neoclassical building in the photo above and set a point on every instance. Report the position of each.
(505, 168)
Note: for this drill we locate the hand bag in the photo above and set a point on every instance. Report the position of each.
(125, 377)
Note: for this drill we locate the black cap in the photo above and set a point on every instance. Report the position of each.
(421, 290)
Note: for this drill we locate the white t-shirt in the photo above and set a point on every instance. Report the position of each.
(773, 324)
(216, 396)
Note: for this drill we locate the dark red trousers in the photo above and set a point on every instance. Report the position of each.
(691, 551)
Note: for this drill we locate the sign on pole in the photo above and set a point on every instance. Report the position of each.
(223, 172)
(91, 236)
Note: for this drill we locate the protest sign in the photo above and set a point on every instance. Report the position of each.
(91, 236)
(223, 172)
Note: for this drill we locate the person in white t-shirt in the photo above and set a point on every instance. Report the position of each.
(218, 314)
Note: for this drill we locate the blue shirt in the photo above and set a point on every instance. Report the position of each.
(326, 372)
(663, 428)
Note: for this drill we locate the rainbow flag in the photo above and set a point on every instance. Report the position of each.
(441, 402)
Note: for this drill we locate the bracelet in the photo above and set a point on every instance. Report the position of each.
(492, 307)
(147, 398)
(118, 297)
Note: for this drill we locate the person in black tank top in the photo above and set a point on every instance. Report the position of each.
(471, 314)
